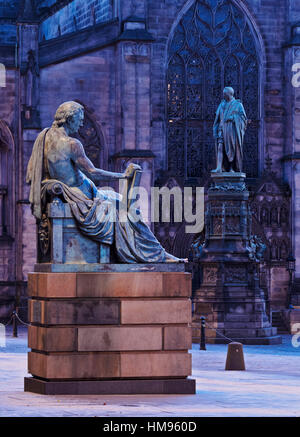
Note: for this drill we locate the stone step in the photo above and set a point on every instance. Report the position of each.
(109, 387)
(279, 323)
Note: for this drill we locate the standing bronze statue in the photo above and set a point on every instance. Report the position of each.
(229, 130)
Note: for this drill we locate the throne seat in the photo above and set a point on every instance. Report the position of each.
(61, 242)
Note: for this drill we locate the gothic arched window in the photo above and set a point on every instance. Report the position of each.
(6, 142)
(213, 46)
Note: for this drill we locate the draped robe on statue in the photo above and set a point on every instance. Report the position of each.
(98, 215)
(229, 128)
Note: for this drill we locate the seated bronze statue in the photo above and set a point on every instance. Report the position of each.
(60, 159)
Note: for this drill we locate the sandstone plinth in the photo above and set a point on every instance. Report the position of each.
(127, 332)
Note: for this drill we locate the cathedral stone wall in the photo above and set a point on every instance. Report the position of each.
(8, 33)
(8, 99)
(8, 103)
(91, 80)
(77, 15)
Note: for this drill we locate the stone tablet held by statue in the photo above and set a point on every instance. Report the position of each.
(229, 130)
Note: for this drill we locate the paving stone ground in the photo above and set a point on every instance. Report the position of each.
(270, 386)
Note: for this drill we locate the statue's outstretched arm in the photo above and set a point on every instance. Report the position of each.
(87, 167)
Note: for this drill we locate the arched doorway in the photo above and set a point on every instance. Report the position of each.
(213, 45)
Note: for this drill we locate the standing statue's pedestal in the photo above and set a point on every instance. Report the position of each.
(230, 297)
(110, 332)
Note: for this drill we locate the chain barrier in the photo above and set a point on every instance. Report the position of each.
(21, 321)
(13, 319)
(15, 314)
(219, 333)
(6, 324)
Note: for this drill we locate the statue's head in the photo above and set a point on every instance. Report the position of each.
(228, 93)
(70, 115)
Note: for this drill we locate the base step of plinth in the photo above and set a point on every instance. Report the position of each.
(276, 339)
(108, 268)
(111, 387)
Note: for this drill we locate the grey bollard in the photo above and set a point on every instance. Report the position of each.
(235, 357)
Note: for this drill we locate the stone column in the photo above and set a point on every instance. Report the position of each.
(29, 127)
(133, 138)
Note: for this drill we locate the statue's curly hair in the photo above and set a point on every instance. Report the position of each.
(230, 89)
(65, 111)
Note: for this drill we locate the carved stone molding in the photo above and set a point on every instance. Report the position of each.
(210, 275)
(44, 230)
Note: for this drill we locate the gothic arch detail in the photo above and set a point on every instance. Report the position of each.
(271, 209)
(212, 46)
(6, 179)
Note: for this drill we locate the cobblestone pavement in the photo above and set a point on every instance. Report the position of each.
(270, 386)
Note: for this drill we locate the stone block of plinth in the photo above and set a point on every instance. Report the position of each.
(74, 312)
(62, 365)
(163, 364)
(52, 339)
(169, 386)
(52, 285)
(177, 337)
(120, 338)
(110, 284)
(109, 338)
(95, 365)
(110, 332)
(155, 311)
(137, 284)
(47, 267)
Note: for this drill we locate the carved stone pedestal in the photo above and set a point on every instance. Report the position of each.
(110, 332)
(230, 297)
